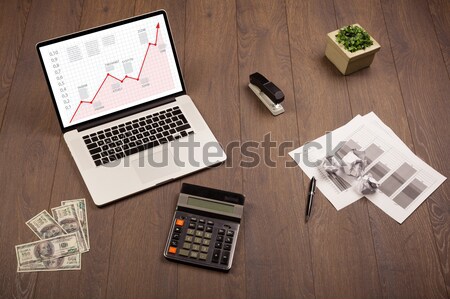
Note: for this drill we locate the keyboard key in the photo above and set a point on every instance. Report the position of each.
(91, 145)
(218, 245)
(215, 256)
(108, 134)
(115, 132)
(96, 156)
(95, 150)
(183, 252)
(230, 233)
(227, 247)
(225, 258)
(221, 231)
(98, 162)
(183, 127)
(182, 118)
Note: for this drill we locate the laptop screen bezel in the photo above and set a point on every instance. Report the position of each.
(121, 112)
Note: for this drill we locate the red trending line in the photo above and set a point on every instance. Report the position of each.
(115, 78)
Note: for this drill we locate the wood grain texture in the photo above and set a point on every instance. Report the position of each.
(358, 252)
(322, 106)
(425, 92)
(13, 17)
(440, 12)
(213, 86)
(29, 143)
(375, 89)
(92, 280)
(146, 273)
(278, 265)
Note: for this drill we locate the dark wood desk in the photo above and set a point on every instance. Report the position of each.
(358, 252)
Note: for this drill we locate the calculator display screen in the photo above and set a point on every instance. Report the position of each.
(206, 204)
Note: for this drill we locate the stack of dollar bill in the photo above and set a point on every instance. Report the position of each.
(63, 238)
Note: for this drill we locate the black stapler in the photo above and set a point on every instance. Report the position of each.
(267, 92)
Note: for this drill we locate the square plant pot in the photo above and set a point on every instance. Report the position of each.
(346, 61)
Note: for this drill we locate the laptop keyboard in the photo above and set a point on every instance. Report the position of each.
(137, 135)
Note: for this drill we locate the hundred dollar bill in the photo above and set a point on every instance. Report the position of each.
(70, 262)
(47, 249)
(80, 205)
(44, 226)
(67, 217)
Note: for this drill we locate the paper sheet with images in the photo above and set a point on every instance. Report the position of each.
(405, 180)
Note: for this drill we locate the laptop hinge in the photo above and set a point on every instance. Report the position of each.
(126, 113)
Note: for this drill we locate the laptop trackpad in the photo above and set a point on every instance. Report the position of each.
(155, 166)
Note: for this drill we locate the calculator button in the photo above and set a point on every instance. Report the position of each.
(197, 240)
(202, 221)
(179, 222)
(210, 222)
(219, 238)
(196, 247)
(209, 229)
(225, 258)
(190, 231)
(204, 249)
(227, 246)
(202, 256)
(188, 239)
(199, 234)
(192, 225)
(186, 245)
(177, 229)
(215, 256)
(183, 252)
(221, 231)
(208, 235)
(174, 243)
(200, 227)
(194, 254)
(206, 242)
(218, 245)
(172, 250)
(193, 219)
(228, 240)
(176, 236)
(230, 233)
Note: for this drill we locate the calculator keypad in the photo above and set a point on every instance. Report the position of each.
(207, 241)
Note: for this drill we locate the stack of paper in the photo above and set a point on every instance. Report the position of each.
(405, 181)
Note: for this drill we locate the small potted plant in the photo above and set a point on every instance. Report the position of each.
(351, 48)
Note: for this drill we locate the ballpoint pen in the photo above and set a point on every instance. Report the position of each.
(312, 189)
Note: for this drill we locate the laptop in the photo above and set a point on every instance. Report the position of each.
(122, 105)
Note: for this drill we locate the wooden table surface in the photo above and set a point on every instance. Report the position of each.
(358, 252)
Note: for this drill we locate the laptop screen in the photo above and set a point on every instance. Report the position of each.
(107, 69)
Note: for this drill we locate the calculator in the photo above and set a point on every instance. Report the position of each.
(205, 227)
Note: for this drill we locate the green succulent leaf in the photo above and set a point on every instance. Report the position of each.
(353, 38)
